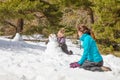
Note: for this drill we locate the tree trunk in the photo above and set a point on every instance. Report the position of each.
(90, 13)
(20, 24)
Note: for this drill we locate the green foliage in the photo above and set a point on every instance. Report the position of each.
(105, 50)
(75, 3)
(53, 14)
(69, 31)
(29, 30)
(107, 24)
(107, 11)
(1, 33)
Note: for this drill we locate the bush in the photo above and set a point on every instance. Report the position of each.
(106, 50)
(1, 33)
(45, 32)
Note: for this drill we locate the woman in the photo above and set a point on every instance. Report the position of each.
(62, 42)
(91, 58)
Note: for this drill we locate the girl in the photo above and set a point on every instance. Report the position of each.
(91, 58)
(62, 42)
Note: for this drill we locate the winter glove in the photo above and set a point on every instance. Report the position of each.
(74, 65)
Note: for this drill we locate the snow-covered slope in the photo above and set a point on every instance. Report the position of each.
(21, 60)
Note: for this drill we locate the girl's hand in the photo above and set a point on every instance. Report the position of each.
(74, 65)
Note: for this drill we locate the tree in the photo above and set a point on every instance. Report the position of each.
(78, 11)
(26, 10)
(107, 22)
(20, 10)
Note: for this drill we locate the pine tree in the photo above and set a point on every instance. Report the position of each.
(21, 10)
(107, 22)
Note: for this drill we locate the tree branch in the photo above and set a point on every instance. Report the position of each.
(7, 22)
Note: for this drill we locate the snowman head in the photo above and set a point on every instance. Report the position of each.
(52, 38)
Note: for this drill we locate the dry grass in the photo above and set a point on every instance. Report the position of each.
(117, 53)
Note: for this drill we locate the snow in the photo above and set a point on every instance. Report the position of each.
(17, 37)
(20, 60)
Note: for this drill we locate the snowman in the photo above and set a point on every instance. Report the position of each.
(53, 45)
(17, 37)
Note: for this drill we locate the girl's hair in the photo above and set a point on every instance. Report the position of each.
(84, 29)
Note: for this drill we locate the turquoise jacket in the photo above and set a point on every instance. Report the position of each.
(91, 52)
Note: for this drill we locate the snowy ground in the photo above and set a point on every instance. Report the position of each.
(21, 60)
